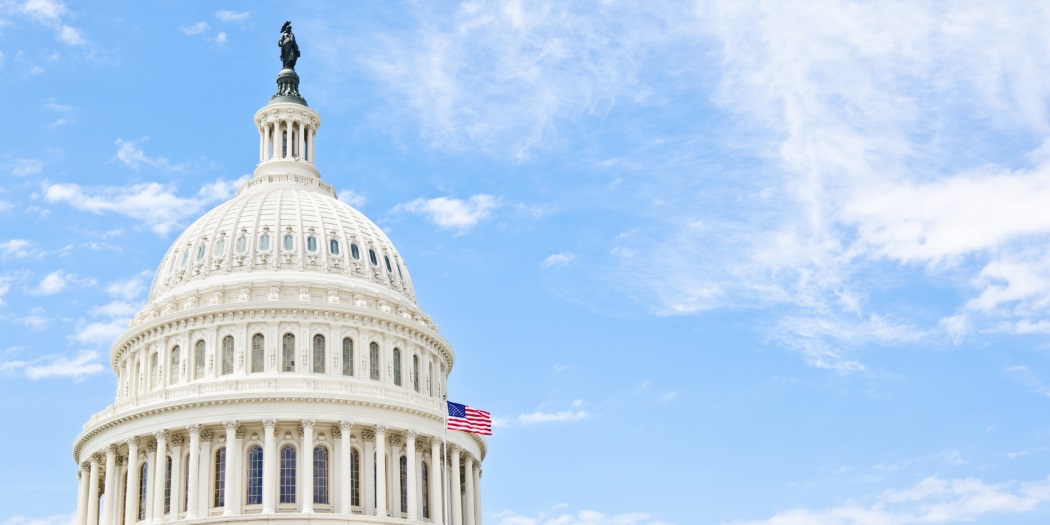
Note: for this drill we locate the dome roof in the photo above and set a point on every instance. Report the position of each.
(282, 227)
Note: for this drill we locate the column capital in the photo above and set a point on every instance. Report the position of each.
(96, 458)
(151, 446)
(161, 435)
(111, 449)
(395, 440)
(453, 448)
(177, 440)
(410, 435)
(381, 430)
(345, 425)
(120, 460)
(194, 430)
(85, 466)
(308, 423)
(132, 442)
(230, 426)
(467, 457)
(269, 423)
(207, 435)
(368, 434)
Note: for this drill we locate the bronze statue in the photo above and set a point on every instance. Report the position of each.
(289, 49)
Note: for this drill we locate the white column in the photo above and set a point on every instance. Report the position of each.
(345, 493)
(393, 478)
(287, 153)
(477, 493)
(176, 475)
(111, 485)
(151, 468)
(82, 492)
(269, 466)
(262, 141)
(271, 138)
(455, 496)
(228, 489)
(205, 491)
(312, 146)
(368, 489)
(410, 477)
(193, 489)
(437, 513)
(131, 502)
(302, 128)
(117, 515)
(468, 470)
(308, 463)
(160, 471)
(381, 481)
(92, 495)
(129, 378)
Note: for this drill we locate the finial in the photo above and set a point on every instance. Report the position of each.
(287, 79)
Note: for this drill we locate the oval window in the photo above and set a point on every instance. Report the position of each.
(264, 242)
(355, 252)
(388, 268)
(185, 257)
(200, 252)
(399, 274)
(372, 255)
(334, 247)
(242, 244)
(288, 241)
(220, 246)
(311, 243)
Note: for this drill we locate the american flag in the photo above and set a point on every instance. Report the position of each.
(462, 417)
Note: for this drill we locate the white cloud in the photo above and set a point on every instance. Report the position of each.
(25, 167)
(52, 283)
(133, 157)
(5, 286)
(71, 35)
(35, 319)
(154, 204)
(931, 500)
(557, 259)
(353, 198)
(16, 248)
(195, 29)
(85, 363)
(60, 108)
(232, 16)
(453, 214)
(221, 37)
(583, 517)
(52, 13)
(539, 416)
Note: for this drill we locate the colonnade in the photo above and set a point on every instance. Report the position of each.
(299, 466)
(287, 138)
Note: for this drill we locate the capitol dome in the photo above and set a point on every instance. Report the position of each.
(281, 368)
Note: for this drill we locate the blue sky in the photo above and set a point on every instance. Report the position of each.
(720, 262)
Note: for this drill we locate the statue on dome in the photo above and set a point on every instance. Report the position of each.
(289, 49)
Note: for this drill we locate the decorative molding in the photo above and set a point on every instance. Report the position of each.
(410, 435)
(336, 431)
(368, 435)
(177, 440)
(239, 433)
(194, 430)
(395, 440)
(307, 423)
(161, 435)
(230, 426)
(207, 435)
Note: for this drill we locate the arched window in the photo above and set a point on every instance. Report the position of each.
(355, 252)
(198, 360)
(404, 484)
(258, 353)
(227, 355)
(348, 356)
(287, 474)
(167, 485)
(372, 257)
(321, 475)
(219, 499)
(373, 360)
(415, 372)
(255, 468)
(397, 366)
(220, 247)
(424, 473)
(264, 242)
(143, 479)
(154, 371)
(333, 246)
(386, 259)
(289, 242)
(318, 354)
(430, 382)
(311, 243)
(355, 478)
(242, 244)
(200, 253)
(173, 371)
(288, 353)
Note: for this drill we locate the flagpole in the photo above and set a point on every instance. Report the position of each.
(444, 446)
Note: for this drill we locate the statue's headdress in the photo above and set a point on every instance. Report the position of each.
(287, 27)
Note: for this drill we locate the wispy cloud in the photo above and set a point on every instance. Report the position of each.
(107, 322)
(52, 283)
(453, 214)
(52, 13)
(576, 413)
(557, 516)
(58, 519)
(195, 29)
(557, 259)
(156, 205)
(24, 167)
(16, 249)
(132, 156)
(232, 16)
(932, 500)
(352, 198)
(85, 363)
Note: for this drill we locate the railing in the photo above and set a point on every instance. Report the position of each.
(266, 386)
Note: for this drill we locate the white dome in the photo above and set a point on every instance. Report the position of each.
(287, 228)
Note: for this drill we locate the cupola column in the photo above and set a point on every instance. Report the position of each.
(110, 503)
(410, 476)
(346, 463)
(82, 493)
(468, 471)
(272, 134)
(262, 141)
(302, 127)
(313, 148)
(193, 474)
(92, 495)
(269, 465)
(308, 464)
(231, 465)
(454, 493)
(160, 474)
(381, 481)
(437, 512)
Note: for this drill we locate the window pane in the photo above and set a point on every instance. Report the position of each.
(220, 246)
(143, 479)
(355, 478)
(255, 468)
(288, 353)
(264, 242)
(404, 484)
(288, 241)
(227, 355)
(258, 353)
(173, 372)
(334, 247)
(348, 356)
(320, 475)
(372, 257)
(198, 360)
(287, 475)
(424, 474)
(200, 252)
(220, 478)
(355, 252)
(373, 361)
(397, 367)
(318, 354)
(242, 244)
(311, 244)
(415, 373)
(388, 268)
